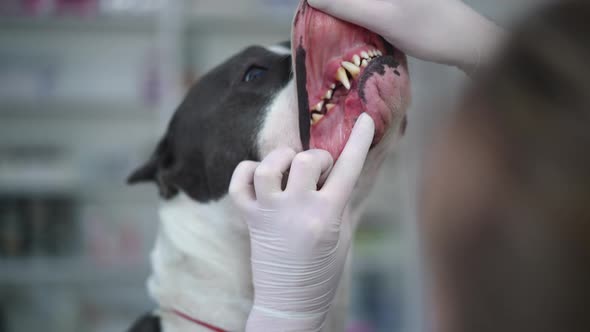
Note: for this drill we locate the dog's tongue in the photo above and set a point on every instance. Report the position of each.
(343, 70)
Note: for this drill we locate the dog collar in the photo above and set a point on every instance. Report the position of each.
(198, 322)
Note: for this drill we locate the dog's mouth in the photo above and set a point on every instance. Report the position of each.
(343, 70)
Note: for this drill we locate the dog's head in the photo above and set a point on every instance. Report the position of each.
(251, 104)
(220, 123)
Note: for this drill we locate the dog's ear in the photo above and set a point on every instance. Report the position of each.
(157, 170)
(149, 171)
(145, 173)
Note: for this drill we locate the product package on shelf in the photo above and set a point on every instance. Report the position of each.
(38, 227)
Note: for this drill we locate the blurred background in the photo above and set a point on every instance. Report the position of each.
(86, 89)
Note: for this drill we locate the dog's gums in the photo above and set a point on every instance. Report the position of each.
(343, 70)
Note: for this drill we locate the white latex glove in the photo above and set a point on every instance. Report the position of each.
(443, 31)
(299, 238)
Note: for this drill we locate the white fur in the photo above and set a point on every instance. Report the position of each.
(279, 49)
(201, 265)
(281, 124)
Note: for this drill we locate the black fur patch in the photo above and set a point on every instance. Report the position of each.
(147, 323)
(376, 66)
(302, 97)
(216, 127)
(389, 49)
(404, 125)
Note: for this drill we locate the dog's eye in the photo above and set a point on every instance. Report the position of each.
(253, 73)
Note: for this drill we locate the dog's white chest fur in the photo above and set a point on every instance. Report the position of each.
(201, 267)
(201, 264)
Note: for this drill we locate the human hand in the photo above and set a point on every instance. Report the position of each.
(300, 237)
(443, 31)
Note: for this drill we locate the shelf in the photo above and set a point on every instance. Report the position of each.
(68, 271)
(242, 24)
(106, 24)
(146, 24)
(120, 194)
(76, 109)
(51, 181)
(112, 193)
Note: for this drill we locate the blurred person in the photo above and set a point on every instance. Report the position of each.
(506, 188)
(2, 320)
(505, 218)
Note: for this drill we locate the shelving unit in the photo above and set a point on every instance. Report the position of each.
(84, 109)
(89, 108)
(48, 272)
(142, 24)
(148, 24)
(87, 97)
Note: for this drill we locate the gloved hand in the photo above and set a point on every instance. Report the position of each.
(299, 236)
(443, 31)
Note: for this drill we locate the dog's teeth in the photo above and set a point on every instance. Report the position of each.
(329, 107)
(365, 63)
(379, 53)
(343, 78)
(329, 94)
(333, 86)
(371, 53)
(365, 54)
(357, 60)
(316, 117)
(319, 106)
(354, 70)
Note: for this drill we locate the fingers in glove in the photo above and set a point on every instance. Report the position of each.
(347, 170)
(241, 187)
(269, 175)
(307, 170)
(371, 14)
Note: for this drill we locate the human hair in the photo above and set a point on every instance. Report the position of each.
(521, 259)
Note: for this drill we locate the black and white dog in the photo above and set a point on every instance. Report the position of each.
(242, 110)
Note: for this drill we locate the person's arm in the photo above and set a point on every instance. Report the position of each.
(299, 236)
(443, 31)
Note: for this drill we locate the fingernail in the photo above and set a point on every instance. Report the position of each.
(365, 120)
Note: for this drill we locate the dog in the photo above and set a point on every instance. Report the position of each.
(257, 101)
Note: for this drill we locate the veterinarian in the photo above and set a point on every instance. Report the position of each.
(504, 205)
